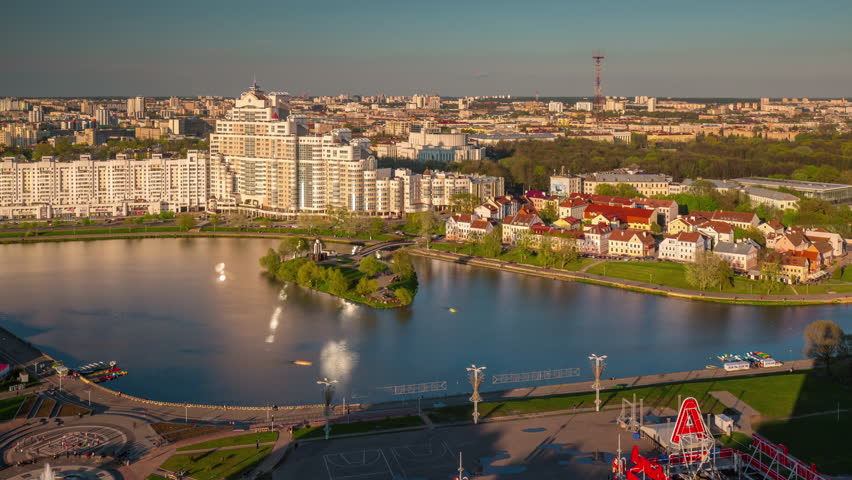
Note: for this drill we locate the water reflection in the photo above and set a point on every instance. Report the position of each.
(182, 340)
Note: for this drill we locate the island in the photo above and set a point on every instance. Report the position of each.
(377, 279)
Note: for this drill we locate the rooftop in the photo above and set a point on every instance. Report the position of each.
(793, 184)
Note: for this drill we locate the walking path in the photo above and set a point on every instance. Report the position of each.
(628, 284)
(748, 415)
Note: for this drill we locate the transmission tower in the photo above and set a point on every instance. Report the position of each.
(598, 105)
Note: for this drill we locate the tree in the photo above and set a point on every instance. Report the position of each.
(86, 221)
(524, 244)
(549, 213)
(567, 253)
(295, 246)
(271, 261)
(309, 274)
(546, 253)
(401, 264)
(464, 202)
(371, 267)
(240, 221)
(366, 287)
(491, 244)
(703, 274)
(377, 226)
(428, 222)
(770, 275)
(752, 233)
(185, 221)
(167, 215)
(824, 340)
(336, 281)
(656, 228)
(215, 220)
(618, 190)
(404, 296)
(724, 273)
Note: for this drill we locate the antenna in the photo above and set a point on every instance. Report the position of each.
(598, 104)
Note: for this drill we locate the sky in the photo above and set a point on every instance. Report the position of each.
(720, 48)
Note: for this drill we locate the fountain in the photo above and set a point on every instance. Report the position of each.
(48, 473)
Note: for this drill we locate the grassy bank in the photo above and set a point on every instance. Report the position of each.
(247, 439)
(9, 407)
(371, 426)
(511, 255)
(217, 464)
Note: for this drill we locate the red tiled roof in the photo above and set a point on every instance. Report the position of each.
(627, 235)
(573, 202)
(654, 202)
(535, 194)
(480, 224)
(729, 216)
(627, 215)
(719, 227)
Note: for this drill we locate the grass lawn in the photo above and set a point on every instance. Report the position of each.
(30, 401)
(217, 464)
(844, 276)
(9, 407)
(69, 409)
(46, 407)
(359, 427)
(738, 440)
(673, 275)
(247, 439)
(155, 477)
(175, 432)
(822, 440)
(775, 396)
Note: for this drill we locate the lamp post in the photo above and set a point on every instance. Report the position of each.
(328, 396)
(598, 366)
(461, 469)
(476, 378)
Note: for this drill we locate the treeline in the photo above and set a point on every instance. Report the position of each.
(66, 150)
(529, 164)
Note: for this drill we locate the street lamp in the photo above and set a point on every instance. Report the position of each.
(598, 366)
(461, 476)
(475, 381)
(328, 396)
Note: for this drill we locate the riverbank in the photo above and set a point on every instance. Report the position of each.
(632, 285)
(176, 234)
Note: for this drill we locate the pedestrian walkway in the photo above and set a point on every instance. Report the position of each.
(748, 415)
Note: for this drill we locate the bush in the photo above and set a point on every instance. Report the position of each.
(404, 296)
(371, 267)
(366, 287)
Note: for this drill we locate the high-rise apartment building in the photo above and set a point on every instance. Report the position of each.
(136, 107)
(36, 115)
(104, 117)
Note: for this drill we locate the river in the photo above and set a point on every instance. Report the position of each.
(196, 320)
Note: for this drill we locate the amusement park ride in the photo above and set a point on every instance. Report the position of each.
(691, 453)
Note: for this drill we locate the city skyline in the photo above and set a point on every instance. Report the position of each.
(762, 49)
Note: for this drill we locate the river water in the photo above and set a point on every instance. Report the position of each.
(196, 320)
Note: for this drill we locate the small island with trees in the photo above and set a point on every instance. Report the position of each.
(367, 280)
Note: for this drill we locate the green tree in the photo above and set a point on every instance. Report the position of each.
(185, 221)
(377, 226)
(293, 246)
(464, 202)
(702, 274)
(336, 281)
(371, 266)
(271, 261)
(215, 220)
(546, 254)
(549, 213)
(366, 287)
(656, 228)
(167, 215)
(404, 296)
(724, 273)
(86, 221)
(567, 253)
(401, 264)
(751, 233)
(309, 274)
(824, 340)
(770, 275)
(524, 244)
(618, 190)
(491, 244)
(428, 222)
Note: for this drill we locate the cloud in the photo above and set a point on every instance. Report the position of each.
(480, 74)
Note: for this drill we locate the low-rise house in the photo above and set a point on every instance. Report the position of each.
(635, 218)
(795, 268)
(458, 226)
(612, 201)
(718, 232)
(632, 243)
(516, 225)
(820, 254)
(738, 219)
(595, 240)
(683, 247)
(498, 208)
(559, 238)
(772, 198)
(572, 207)
(686, 223)
(793, 241)
(569, 223)
(541, 200)
(838, 244)
(771, 227)
(666, 210)
(740, 255)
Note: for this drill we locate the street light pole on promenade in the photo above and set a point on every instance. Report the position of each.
(328, 396)
(475, 381)
(598, 366)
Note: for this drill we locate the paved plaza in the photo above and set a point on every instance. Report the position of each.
(567, 446)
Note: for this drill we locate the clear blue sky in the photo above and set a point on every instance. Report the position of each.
(461, 47)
